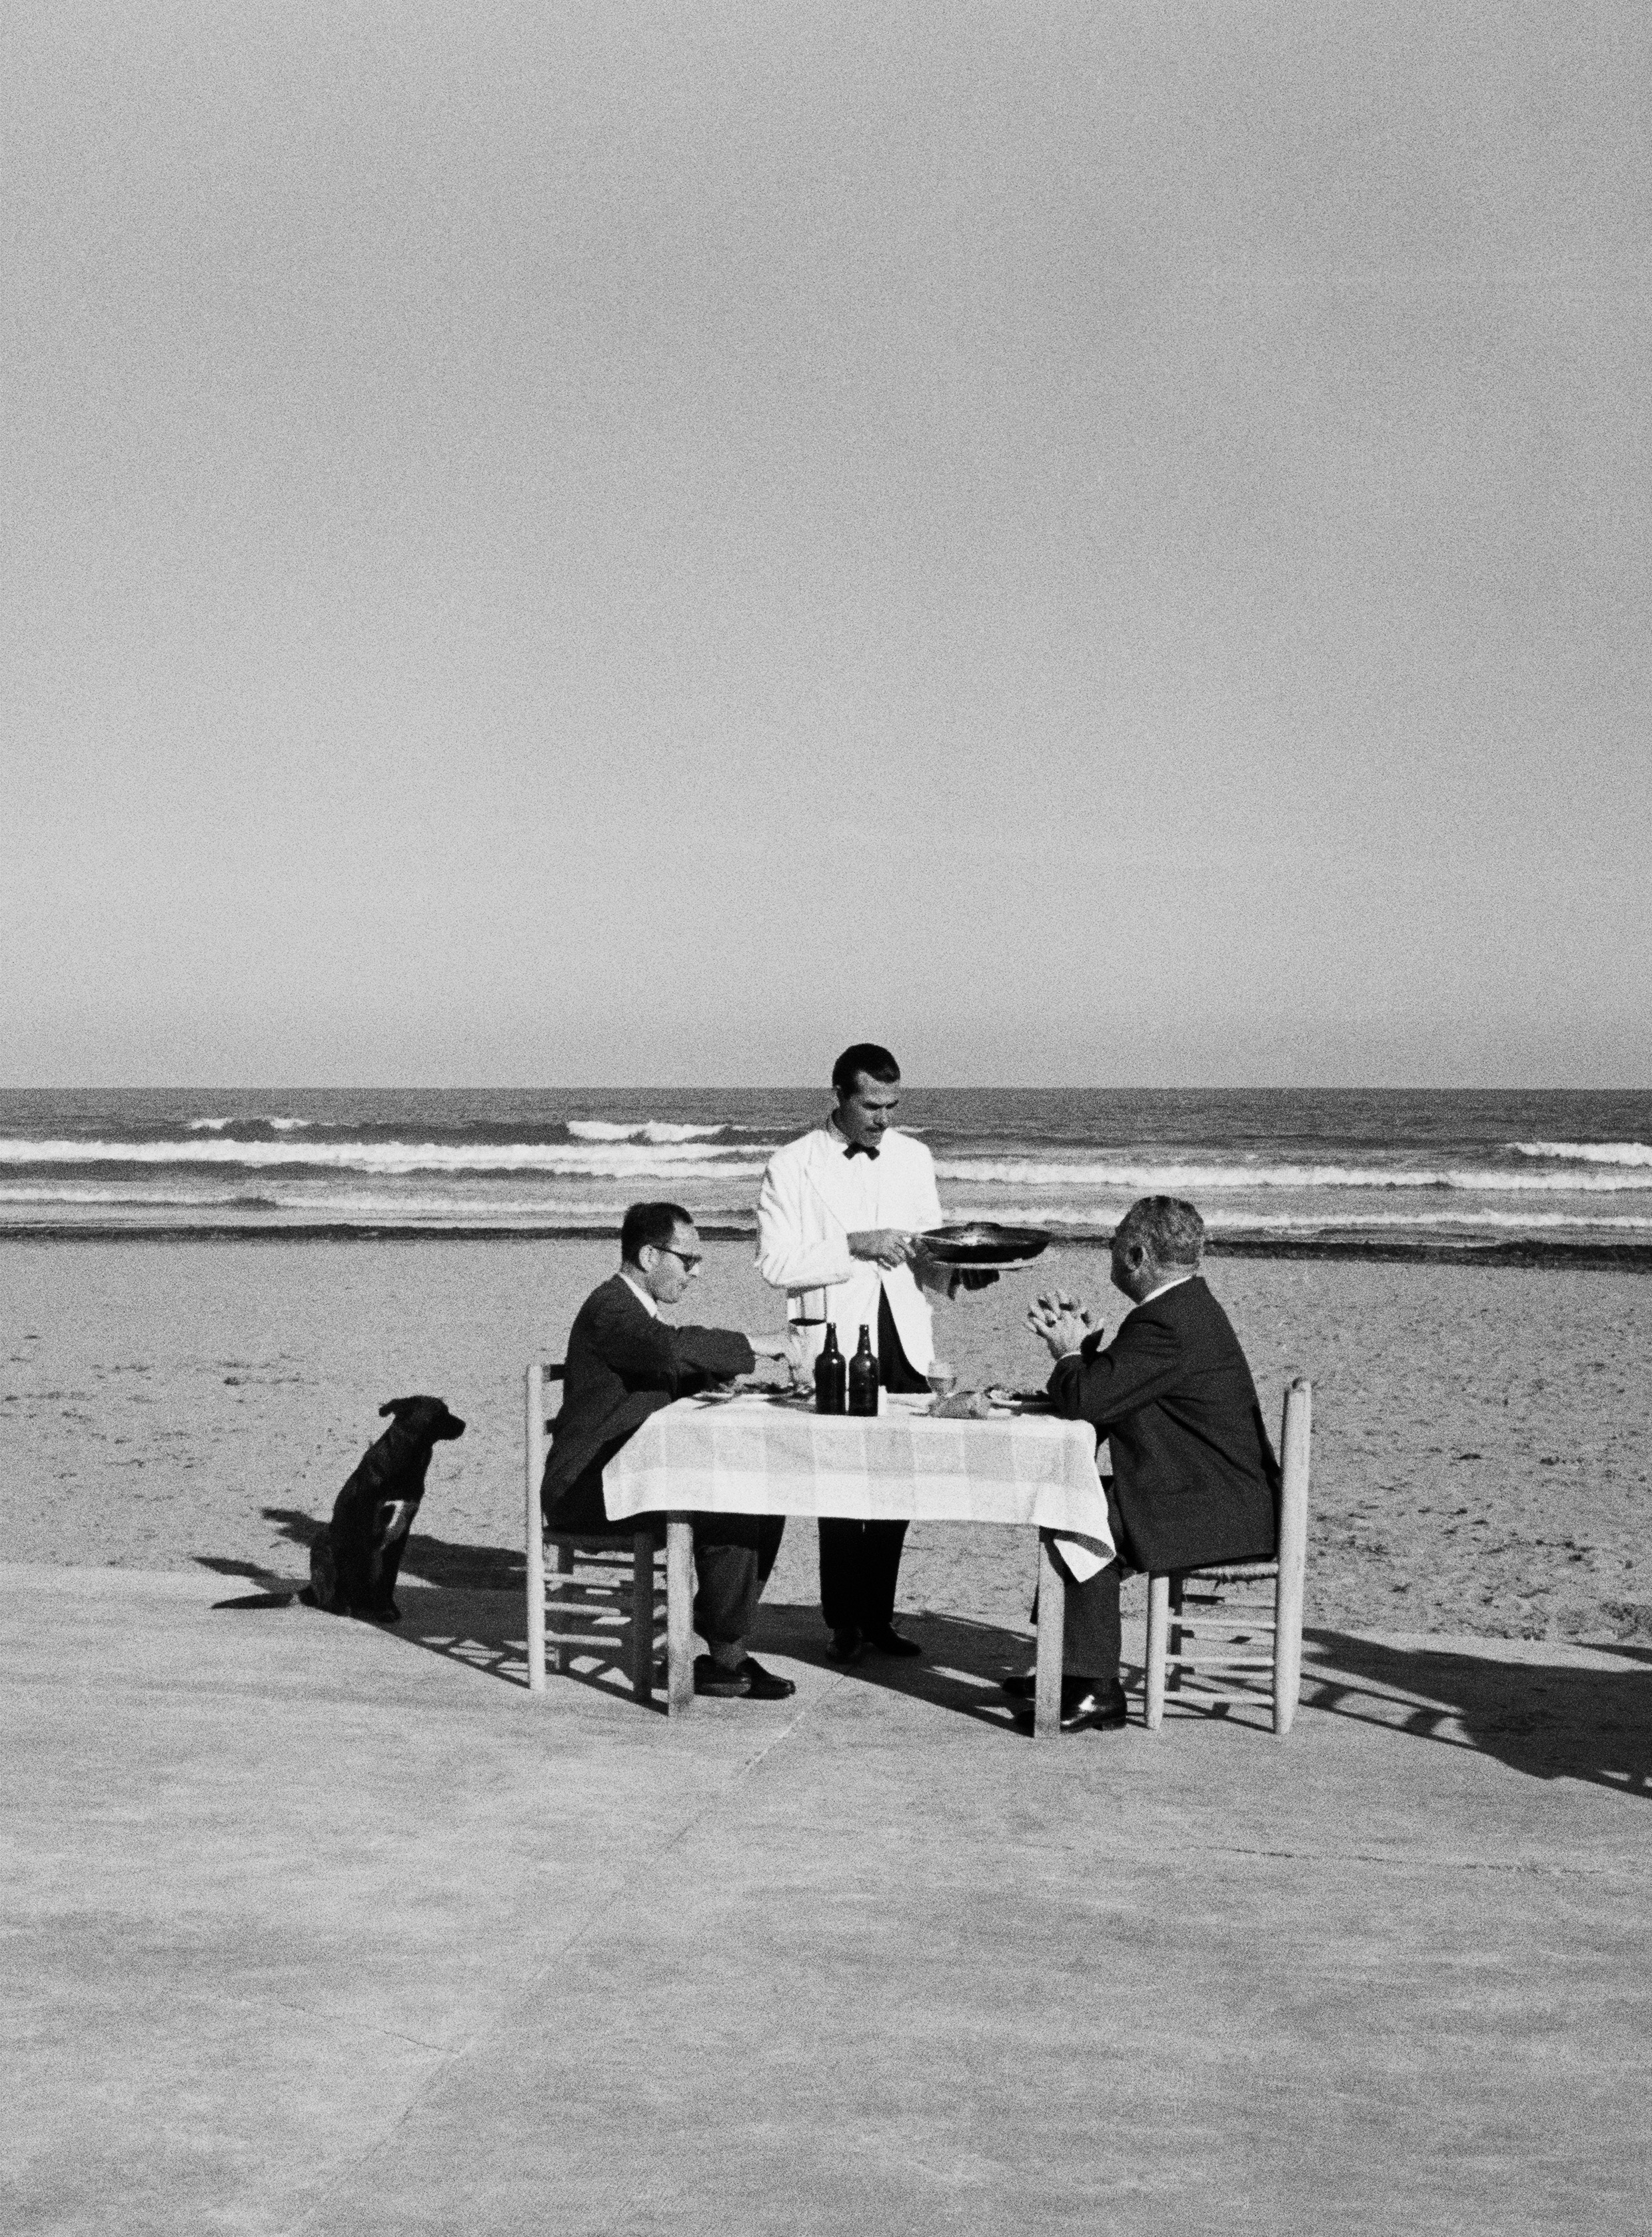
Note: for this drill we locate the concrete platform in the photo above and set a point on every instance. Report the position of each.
(310, 1926)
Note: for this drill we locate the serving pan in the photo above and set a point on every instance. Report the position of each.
(983, 1243)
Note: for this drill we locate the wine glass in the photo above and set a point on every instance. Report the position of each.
(803, 1342)
(942, 1378)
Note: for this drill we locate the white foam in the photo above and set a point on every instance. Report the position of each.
(646, 1130)
(217, 1125)
(1590, 1154)
(618, 1161)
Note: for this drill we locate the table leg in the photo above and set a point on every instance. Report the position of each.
(679, 1616)
(1052, 1626)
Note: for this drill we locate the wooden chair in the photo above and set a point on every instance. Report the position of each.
(615, 1599)
(1243, 1635)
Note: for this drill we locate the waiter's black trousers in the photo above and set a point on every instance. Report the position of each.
(861, 1561)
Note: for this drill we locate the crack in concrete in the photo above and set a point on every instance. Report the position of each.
(529, 1986)
(1420, 1863)
(354, 2019)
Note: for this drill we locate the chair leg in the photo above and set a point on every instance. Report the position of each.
(1158, 1630)
(643, 1616)
(534, 1565)
(1173, 1675)
(1293, 1554)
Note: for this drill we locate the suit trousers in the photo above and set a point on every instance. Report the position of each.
(733, 1555)
(861, 1561)
(1091, 1635)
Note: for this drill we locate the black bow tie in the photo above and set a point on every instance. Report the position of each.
(860, 1150)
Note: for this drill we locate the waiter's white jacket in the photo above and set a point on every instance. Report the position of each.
(813, 1198)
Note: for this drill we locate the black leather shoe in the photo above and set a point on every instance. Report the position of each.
(1084, 1712)
(1024, 1685)
(750, 1682)
(888, 1641)
(844, 1645)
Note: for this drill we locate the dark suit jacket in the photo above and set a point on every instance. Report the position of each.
(1194, 1479)
(621, 1366)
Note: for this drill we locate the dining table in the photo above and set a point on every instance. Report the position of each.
(766, 1452)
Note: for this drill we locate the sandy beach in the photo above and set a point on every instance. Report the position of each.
(1480, 1458)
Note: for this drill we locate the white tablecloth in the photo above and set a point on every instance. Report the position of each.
(751, 1457)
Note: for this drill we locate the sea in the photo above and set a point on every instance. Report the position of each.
(1554, 1175)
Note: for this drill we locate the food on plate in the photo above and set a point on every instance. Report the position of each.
(963, 1406)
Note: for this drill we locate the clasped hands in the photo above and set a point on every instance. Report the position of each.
(1060, 1322)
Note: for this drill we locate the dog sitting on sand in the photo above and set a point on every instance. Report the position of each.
(355, 1562)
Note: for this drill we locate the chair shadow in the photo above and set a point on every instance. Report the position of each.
(1547, 1720)
(474, 1614)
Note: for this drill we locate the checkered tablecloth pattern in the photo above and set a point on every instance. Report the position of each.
(752, 1456)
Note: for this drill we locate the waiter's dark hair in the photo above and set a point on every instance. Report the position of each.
(1165, 1229)
(865, 1057)
(646, 1224)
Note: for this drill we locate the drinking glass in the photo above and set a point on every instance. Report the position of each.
(804, 1342)
(942, 1377)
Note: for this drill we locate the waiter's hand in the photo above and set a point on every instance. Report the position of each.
(770, 1347)
(1060, 1322)
(890, 1246)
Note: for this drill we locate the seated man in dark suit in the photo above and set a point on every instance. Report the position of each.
(1194, 1479)
(623, 1363)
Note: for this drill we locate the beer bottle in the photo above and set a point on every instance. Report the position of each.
(863, 1376)
(830, 1376)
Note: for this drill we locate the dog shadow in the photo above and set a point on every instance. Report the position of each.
(460, 1572)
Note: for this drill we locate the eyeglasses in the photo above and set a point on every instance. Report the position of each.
(687, 1259)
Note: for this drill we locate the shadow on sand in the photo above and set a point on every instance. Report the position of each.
(1545, 1719)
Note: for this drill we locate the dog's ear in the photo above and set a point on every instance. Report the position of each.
(400, 1406)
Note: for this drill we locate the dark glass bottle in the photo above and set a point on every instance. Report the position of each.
(831, 1376)
(863, 1376)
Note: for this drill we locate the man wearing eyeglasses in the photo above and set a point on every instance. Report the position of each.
(623, 1363)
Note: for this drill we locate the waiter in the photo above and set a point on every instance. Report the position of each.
(839, 1216)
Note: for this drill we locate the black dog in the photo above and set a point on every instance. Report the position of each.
(354, 1564)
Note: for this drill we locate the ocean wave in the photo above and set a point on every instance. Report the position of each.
(1590, 1154)
(1091, 1220)
(152, 1199)
(1189, 1180)
(217, 1125)
(648, 1130)
(618, 1160)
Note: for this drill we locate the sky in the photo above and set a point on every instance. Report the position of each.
(636, 545)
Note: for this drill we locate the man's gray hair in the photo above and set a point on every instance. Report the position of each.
(1169, 1231)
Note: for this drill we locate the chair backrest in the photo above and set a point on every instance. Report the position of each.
(540, 1372)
